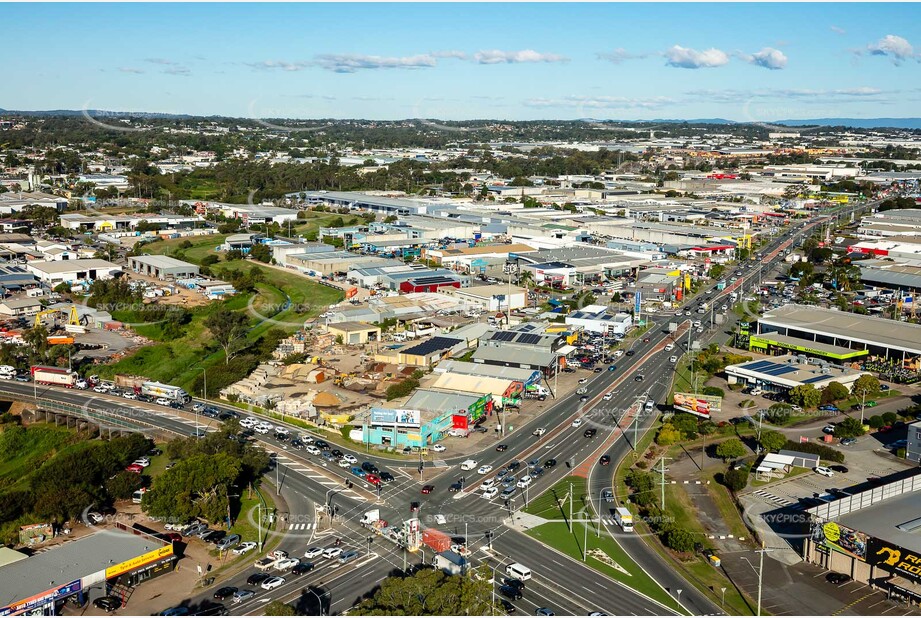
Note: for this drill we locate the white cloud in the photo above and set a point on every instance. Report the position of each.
(163, 61)
(892, 46)
(497, 56)
(279, 64)
(685, 58)
(600, 102)
(451, 53)
(177, 70)
(838, 30)
(350, 63)
(768, 58)
(131, 70)
(619, 55)
(839, 95)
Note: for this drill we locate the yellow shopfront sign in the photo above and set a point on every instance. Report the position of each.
(139, 561)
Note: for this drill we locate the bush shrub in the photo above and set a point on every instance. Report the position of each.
(812, 448)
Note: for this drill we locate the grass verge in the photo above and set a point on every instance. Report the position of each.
(554, 503)
(559, 537)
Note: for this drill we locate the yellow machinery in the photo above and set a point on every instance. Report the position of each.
(73, 317)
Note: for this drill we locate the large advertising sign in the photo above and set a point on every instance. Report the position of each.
(43, 599)
(844, 540)
(765, 342)
(701, 405)
(139, 561)
(637, 302)
(396, 417)
(894, 558)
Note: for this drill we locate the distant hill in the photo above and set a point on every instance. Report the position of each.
(857, 123)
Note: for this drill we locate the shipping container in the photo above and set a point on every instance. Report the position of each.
(436, 539)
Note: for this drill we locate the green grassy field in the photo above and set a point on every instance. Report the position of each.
(22, 452)
(547, 505)
(558, 536)
(283, 300)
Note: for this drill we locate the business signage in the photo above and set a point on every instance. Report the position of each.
(764, 342)
(637, 302)
(844, 540)
(396, 417)
(43, 599)
(894, 558)
(701, 405)
(139, 561)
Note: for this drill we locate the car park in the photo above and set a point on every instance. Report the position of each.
(228, 542)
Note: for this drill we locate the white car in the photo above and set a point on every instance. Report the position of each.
(539, 432)
(242, 548)
(823, 471)
(439, 448)
(143, 462)
(129, 395)
(100, 389)
(349, 458)
(441, 519)
(523, 482)
(490, 493)
(310, 448)
(577, 422)
(162, 401)
(246, 423)
(81, 384)
(583, 380)
(673, 359)
(272, 583)
(287, 563)
(488, 483)
(332, 552)
(469, 464)
(669, 347)
(618, 353)
(313, 552)
(608, 396)
(343, 463)
(486, 469)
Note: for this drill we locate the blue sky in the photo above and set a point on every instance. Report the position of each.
(746, 62)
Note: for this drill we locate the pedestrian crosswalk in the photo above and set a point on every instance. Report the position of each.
(773, 498)
(294, 527)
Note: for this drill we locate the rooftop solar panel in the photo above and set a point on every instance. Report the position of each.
(815, 379)
(432, 345)
(503, 336)
(528, 338)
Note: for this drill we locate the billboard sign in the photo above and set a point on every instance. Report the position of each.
(396, 417)
(637, 302)
(894, 558)
(701, 405)
(844, 540)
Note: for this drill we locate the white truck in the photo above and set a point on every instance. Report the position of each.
(54, 376)
(450, 562)
(266, 563)
(173, 393)
(624, 519)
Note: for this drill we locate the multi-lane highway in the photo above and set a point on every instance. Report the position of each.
(564, 584)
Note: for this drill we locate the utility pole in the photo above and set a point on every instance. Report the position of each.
(662, 471)
(570, 506)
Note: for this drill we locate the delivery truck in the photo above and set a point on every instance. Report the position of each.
(53, 376)
(173, 393)
(624, 519)
(436, 539)
(129, 382)
(450, 562)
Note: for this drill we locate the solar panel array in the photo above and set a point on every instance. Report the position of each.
(771, 368)
(816, 379)
(503, 335)
(432, 345)
(528, 338)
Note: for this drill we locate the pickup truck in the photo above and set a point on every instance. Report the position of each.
(266, 563)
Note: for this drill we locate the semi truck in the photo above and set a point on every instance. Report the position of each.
(132, 382)
(624, 519)
(450, 562)
(436, 539)
(173, 393)
(53, 376)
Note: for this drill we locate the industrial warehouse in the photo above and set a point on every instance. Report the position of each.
(896, 341)
(108, 560)
(871, 536)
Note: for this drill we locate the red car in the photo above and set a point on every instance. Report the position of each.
(373, 479)
(427, 489)
(136, 468)
(173, 537)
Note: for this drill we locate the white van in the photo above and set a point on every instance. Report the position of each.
(518, 571)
